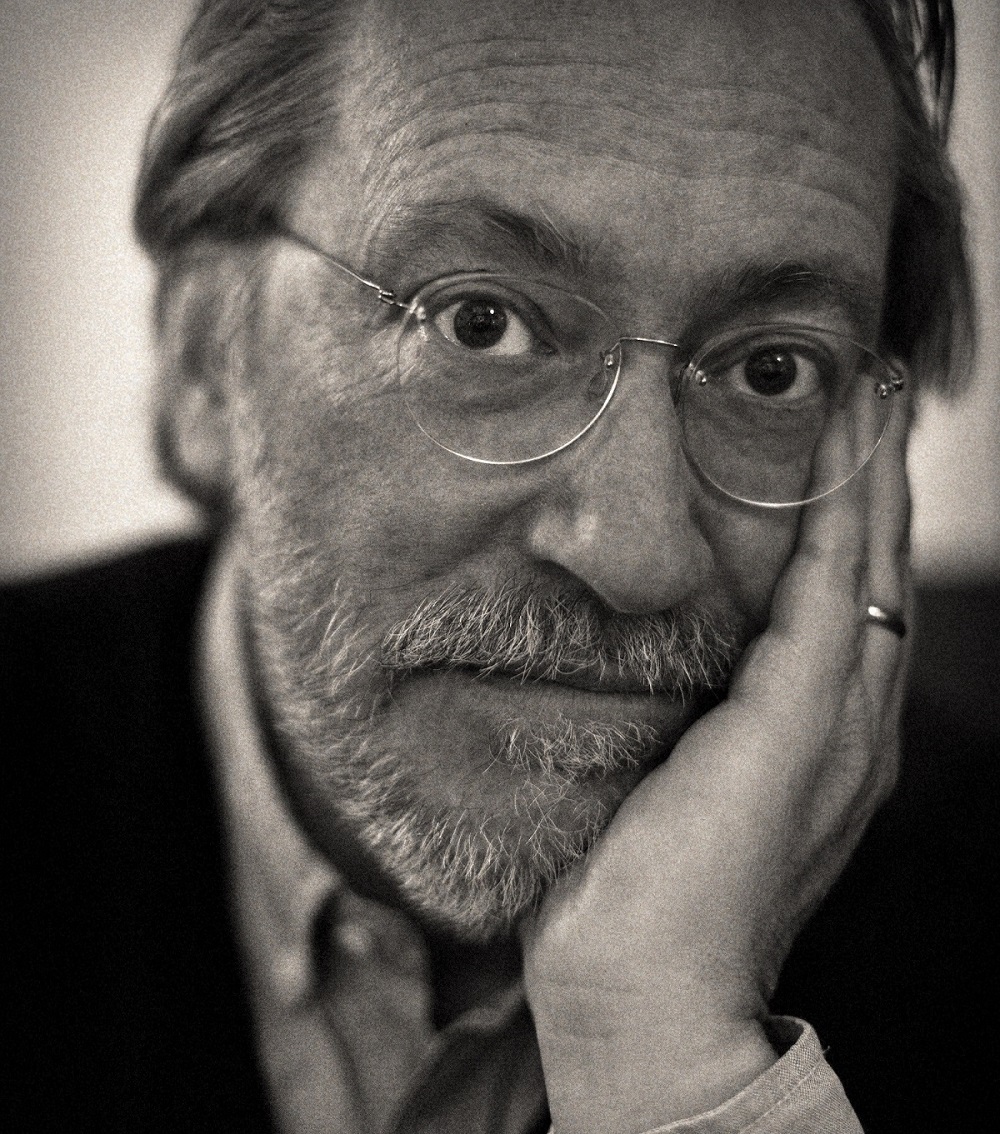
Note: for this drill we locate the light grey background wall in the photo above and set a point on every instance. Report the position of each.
(77, 83)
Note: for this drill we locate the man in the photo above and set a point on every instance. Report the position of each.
(533, 361)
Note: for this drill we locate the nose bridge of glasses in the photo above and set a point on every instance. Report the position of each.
(646, 339)
(614, 356)
(616, 346)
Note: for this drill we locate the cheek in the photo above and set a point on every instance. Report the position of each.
(751, 548)
(347, 474)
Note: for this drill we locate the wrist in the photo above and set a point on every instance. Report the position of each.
(627, 1079)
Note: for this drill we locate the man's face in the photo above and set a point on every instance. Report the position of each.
(657, 158)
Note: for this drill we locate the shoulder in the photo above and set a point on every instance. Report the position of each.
(89, 606)
(101, 724)
(97, 675)
(103, 643)
(98, 685)
(127, 977)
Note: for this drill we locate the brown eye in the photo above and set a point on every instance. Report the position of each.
(778, 372)
(487, 325)
(479, 323)
(770, 372)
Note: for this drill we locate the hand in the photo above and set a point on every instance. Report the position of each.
(651, 964)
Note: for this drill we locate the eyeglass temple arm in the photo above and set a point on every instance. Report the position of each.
(385, 294)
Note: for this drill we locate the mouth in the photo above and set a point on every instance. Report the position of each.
(464, 693)
(505, 740)
(598, 679)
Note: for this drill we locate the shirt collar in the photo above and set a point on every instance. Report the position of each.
(279, 880)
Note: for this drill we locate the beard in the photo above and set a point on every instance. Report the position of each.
(526, 795)
(335, 689)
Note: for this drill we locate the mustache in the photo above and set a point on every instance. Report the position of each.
(520, 632)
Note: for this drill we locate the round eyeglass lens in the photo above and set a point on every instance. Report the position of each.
(501, 370)
(781, 415)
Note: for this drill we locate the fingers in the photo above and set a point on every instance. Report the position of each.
(888, 572)
(884, 653)
(852, 550)
(799, 666)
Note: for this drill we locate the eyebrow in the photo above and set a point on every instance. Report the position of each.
(450, 234)
(796, 283)
(473, 226)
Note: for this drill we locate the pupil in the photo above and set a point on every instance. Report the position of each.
(480, 323)
(770, 371)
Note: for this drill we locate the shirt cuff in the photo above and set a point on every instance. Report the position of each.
(797, 1094)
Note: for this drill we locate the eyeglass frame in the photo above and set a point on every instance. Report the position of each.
(390, 298)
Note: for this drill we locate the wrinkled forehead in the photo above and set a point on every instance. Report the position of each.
(638, 53)
(633, 56)
(661, 97)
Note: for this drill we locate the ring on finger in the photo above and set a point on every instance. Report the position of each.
(890, 620)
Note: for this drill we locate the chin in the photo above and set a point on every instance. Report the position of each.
(470, 794)
(472, 810)
(476, 858)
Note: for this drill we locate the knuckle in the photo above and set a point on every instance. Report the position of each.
(835, 567)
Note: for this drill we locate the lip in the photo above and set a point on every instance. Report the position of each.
(467, 709)
(578, 695)
(591, 679)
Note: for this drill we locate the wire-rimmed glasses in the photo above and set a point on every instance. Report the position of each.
(508, 371)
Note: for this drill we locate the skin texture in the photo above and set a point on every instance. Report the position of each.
(677, 145)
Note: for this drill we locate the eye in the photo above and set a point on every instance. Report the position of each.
(488, 325)
(777, 371)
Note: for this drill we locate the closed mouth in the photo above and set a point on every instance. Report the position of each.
(587, 679)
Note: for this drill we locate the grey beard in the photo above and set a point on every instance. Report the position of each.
(474, 876)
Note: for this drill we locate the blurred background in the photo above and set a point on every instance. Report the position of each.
(78, 81)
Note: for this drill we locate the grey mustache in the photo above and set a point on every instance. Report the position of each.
(520, 632)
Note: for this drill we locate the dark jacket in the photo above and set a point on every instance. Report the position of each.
(128, 1011)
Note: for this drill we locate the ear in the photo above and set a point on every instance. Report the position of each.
(198, 439)
(199, 327)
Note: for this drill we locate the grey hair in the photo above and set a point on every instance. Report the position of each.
(929, 316)
(250, 95)
(255, 88)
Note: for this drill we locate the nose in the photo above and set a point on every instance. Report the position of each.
(619, 507)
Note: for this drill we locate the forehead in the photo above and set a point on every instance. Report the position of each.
(655, 130)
